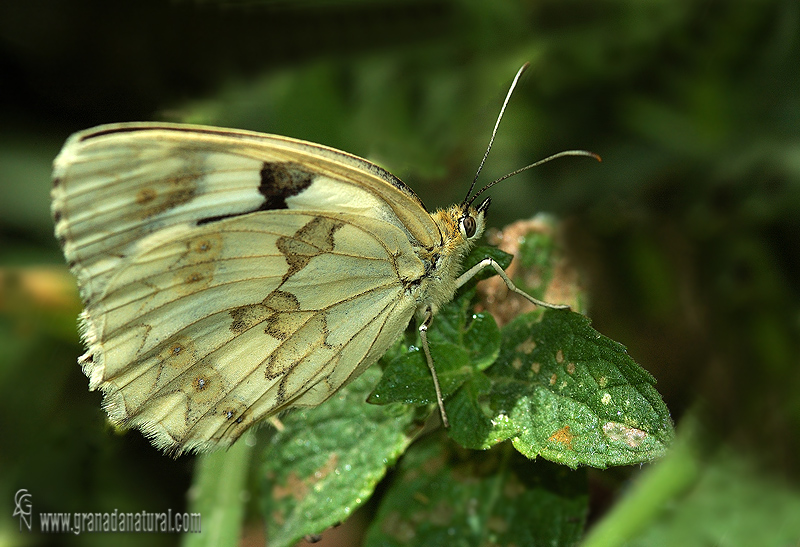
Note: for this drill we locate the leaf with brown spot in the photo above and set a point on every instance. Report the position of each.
(557, 408)
(563, 436)
(328, 459)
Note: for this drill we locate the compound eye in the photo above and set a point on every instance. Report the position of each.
(469, 226)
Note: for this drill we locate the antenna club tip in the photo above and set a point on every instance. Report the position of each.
(583, 153)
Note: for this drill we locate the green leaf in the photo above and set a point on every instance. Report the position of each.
(470, 423)
(407, 378)
(461, 343)
(563, 391)
(328, 459)
(444, 495)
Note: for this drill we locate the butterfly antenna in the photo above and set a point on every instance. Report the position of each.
(535, 164)
(522, 69)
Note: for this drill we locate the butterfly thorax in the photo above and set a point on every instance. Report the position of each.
(443, 262)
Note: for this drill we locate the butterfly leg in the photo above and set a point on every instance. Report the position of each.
(423, 334)
(469, 274)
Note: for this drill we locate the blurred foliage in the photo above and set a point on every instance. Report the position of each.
(687, 233)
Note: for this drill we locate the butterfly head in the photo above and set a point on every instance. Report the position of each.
(472, 220)
(461, 226)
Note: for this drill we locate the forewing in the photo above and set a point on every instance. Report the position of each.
(117, 184)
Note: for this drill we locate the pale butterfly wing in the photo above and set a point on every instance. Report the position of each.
(227, 275)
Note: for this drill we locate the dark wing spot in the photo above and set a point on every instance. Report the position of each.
(280, 181)
(245, 317)
(281, 301)
(177, 353)
(297, 255)
(200, 245)
(201, 383)
(276, 302)
(233, 413)
(283, 325)
(146, 195)
(313, 239)
(194, 277)
(177, 189)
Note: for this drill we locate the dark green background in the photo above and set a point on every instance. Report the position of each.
(687, 234)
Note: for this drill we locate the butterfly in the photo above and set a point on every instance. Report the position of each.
(229, 275)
